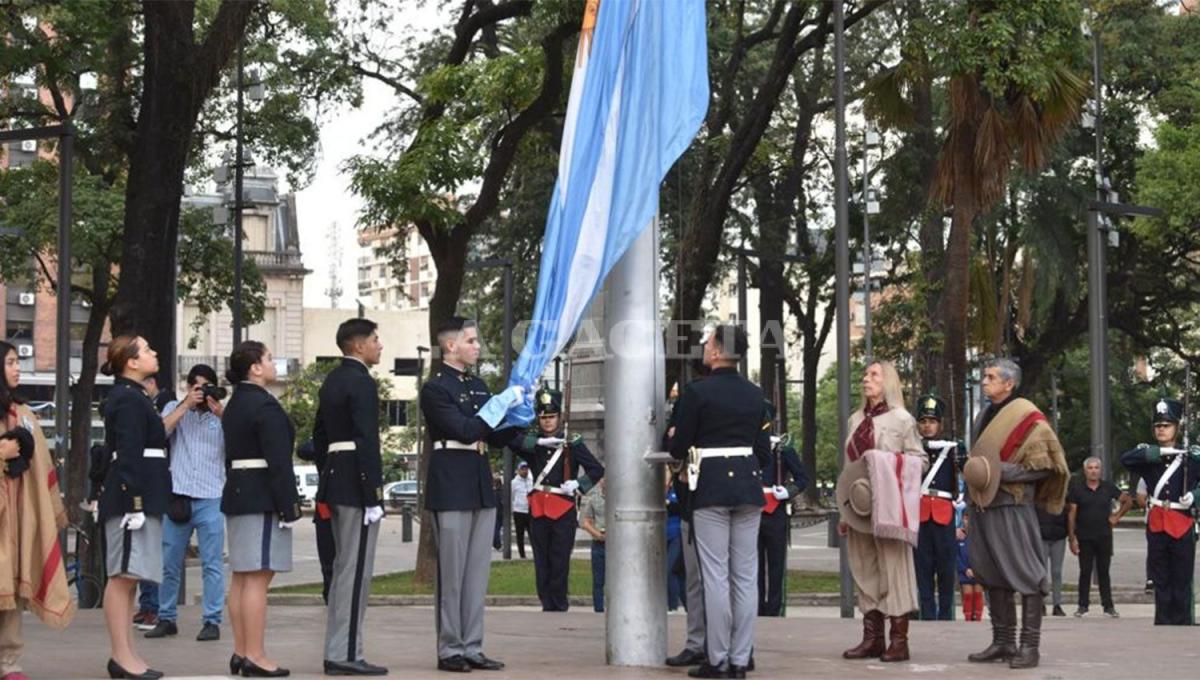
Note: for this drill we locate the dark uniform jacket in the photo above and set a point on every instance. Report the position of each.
(1186, 477)
(134, 483)
(257, 428)
(459, 479)
(723, 410)
(348, 411)
(782, 462)
(537, 457)
(946, 478)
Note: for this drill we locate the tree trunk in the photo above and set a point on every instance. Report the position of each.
(956, 297)
(179, 75)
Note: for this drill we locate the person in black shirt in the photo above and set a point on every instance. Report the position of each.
(552, 501)
(260, 501)
(719, 433)
(1172, 480)
(1090, 519)
(347, 433)
(134, 496)
(463, 417)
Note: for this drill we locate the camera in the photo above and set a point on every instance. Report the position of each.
(214, 391)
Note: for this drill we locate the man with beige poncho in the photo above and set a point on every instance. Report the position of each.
(881, 557)
(1016, 463)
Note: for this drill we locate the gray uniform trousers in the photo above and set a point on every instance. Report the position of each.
(694, 591)
(727, 545)
(350, 585)
(464, 549)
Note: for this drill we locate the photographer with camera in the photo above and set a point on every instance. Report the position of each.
(197, 443)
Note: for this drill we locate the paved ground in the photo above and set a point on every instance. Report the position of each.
(571, 645)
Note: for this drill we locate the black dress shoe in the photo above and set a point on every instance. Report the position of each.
(454, 664)
(253, 670)
(359, 667)
(209, 632)
(707, 670)
(163, 629)
(688, 657)
(482, 663)
(235, 664)
(116, 671)
(750, 665)
(736, 671)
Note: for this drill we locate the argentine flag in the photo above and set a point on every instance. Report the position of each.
(638, 95)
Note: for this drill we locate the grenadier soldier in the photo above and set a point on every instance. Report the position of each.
(718, 431)
(463, 419)
(346, 434)
(1016, 464)
(782, 477)
(936, 552)
(1172, 479)
(556, 464)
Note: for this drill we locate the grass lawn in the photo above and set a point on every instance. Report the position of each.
(516, 578)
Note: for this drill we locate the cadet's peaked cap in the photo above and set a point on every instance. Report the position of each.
(547, 402)
(1167, 411)
(929, 406)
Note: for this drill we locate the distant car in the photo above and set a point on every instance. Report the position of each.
(306, 483)
(399, 494)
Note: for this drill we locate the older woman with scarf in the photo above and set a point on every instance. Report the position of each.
(880, 545)
(31, 515)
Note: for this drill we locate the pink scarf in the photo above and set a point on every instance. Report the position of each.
(896, 494)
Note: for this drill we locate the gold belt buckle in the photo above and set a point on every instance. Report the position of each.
(481, 447)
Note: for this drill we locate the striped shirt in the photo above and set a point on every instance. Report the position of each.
(197, 454)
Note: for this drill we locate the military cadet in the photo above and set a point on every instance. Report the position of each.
(1172, 481)
(718, 430)
(351, 485)
(782, 464)
(134, 496)
(463, 418)
(552, 501)
(937, 547)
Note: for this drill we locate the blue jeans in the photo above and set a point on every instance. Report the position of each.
(147, 596)
(598, 575)
(209, 524)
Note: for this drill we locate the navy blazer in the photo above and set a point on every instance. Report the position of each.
(256, 427)
(537, 456)
(1186, 477)
(946, 478)
(348, 411)
(134, 483)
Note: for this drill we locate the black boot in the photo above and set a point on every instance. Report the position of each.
(1031, 632)
(1004, 628)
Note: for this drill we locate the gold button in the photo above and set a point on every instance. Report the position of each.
(731, 473)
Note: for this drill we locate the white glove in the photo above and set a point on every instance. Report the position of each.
(1186, 500)
(550, 442)
(133, 520)
(288, 525)
(372, 514)
(570, 486)
(781, 492)
(960, 503)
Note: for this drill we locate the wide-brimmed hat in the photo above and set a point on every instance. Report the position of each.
(854, 496)
(982, 475)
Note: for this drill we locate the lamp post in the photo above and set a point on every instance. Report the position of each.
(842, 259)
(870, 207)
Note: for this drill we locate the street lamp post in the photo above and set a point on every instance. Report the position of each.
(870, 207)
(842, 258)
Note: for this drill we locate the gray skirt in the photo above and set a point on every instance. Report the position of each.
(134, 554)
(256, 543)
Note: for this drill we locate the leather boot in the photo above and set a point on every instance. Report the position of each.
(1004, 628)
(872, 642)
(898, 649)
(1031, 633)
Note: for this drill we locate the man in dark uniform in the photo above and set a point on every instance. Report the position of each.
(1172, 482)
(719, 432)
(936, 554)
(346, 434)
(463, 417)
(321, 520)
(556, 466)
(782, 464)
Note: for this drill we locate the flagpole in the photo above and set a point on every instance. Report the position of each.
(635, 601)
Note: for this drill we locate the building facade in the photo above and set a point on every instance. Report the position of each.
(378, 285)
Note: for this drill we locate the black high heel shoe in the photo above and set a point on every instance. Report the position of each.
(253, 670)
(235, 664)
(115, 671)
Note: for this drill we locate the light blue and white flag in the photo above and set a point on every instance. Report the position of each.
(638, 95)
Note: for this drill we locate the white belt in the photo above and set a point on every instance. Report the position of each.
(552, 489)
(451, 444)
(249, 464)
(726, 452)
(1166, 504)
(937, 493)
(148, 453)
(341, 447)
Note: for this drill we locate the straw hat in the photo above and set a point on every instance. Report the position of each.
(854, 496)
